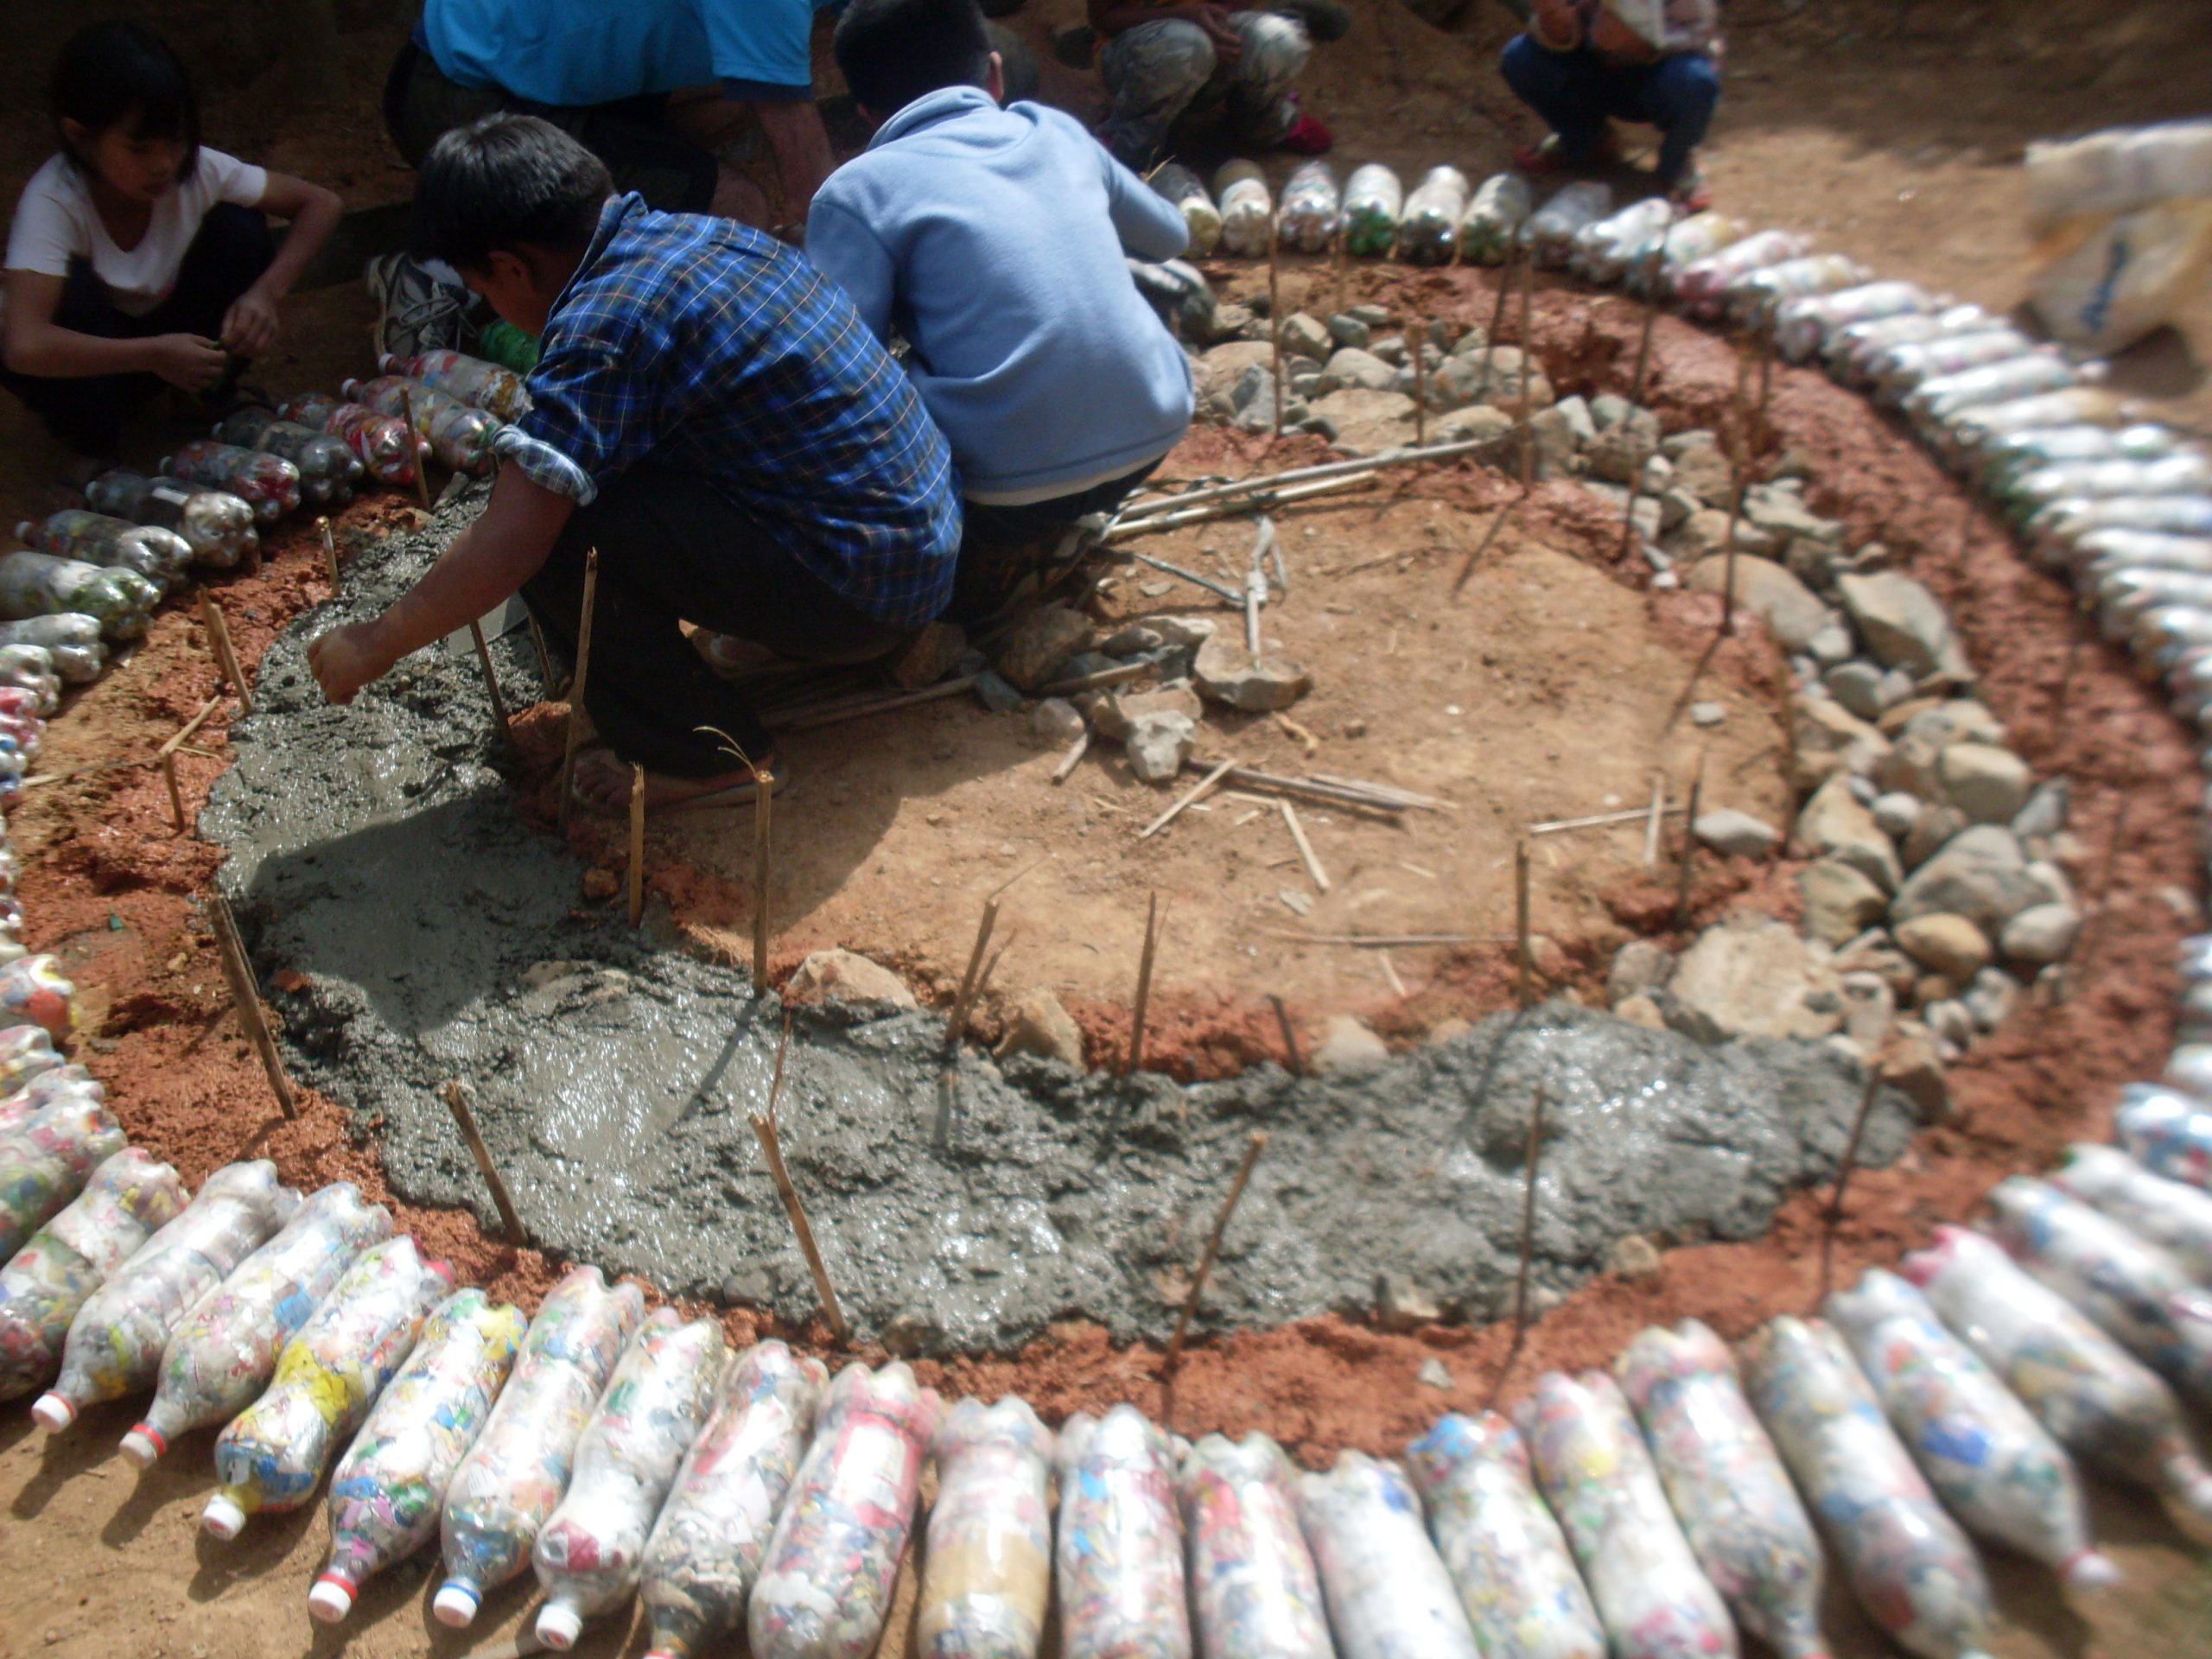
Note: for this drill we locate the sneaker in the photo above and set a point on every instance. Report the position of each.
(1690, 193)
(1549, 155)
(1307, 137)
(415, 310)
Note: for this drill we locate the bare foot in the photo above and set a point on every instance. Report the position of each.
(604, 781)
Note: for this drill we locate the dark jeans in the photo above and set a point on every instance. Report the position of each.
(233, 247)
(1000, 545)
(1577, 92)
(671, 548)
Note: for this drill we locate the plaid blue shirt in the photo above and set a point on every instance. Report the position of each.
(705, 346)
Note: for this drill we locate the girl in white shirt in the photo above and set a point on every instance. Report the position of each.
(136, 252)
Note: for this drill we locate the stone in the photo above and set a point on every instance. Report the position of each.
(1708, 714)
(1736, 835)
(1217, 371)
(1482, 424)
(1433, 1374)
(1839, 901)
(1950, 1022)
(1750, 976)
(1230, 321)
(1084, 664)
(1158, 745)
(1992, 998)
(1057, 720)
(1792, 612)
(1555, 442)
(1641, 1011)
(601, 885)
(1933, 988)
(1633, 1257)
(1834, 822)
(1115, 712)
(1350, 331)
(1402, 1305)
(929, 656)
(1040, 642)
(1931, 833)
(1348, 1048)
(1658, 475)
(1618, 452)
(1368, 421)
(1980, 874)
(1910, 1066)
(1183, 629)
(1305, 336)
(1132, 641)
(1391, 348)
(1675, 508)
(2051, 882)
(1638, 967)
(1954, 720)
(1944, 944)
(1870, 1010)
(1827, 738)
(1038, 1024)
(1694, 437)
(1783, 514)
(1896, 813)
(1610, 409)
(995, 693)
(1252, 401)
(850, 984)
(1368, 312)
(1904, 625)
(1913, 766)
(1705, 472)
(2040, 933)
(2044, 814)
(1831, 645)
(1226, 672)
(1349, 370)
(1989, 785)
(1449, 1029)
(1857, 685)
(1896, 686)
(1575, 413)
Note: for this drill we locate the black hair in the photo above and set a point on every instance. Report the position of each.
(508, 181)
(112, 73)
(893, 51)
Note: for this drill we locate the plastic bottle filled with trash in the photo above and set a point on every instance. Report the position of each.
(1655, 1601)
(128, 1198)
(329, 470)
(1187, 192)
(114, 1343)
(20, 722)
(706, 1549)
(1491, 229)
(1310, 215)
(1938, 403)
(1118, 1565)
(1429, 227)
(1373, 200)
(1246, 208)
(1904, 369)
(1754, 297)
(1517, 1578)
(1702, 287)
(2169, 1213)
(1971, 434)
(1688, 240)
(498, 392)
(46, 1161)
(274, 1452)
(1549, 232)
(33, 991)
(2100, 1402)
(71, 640)
(2070, 534)
(2168, 1132)
(269, 484)
(2017, 455)
(225, 1351)
(378, 441)
(26, 1055)
(1989, 1460)
(2183, 475)
(1386, 1589)
(1851, 353)
(1603, 250)
(590, 1552)
(216, 525)
(460, 436)
(987, 1571)
(825, 1589)
(516, 1474)
(39, 584)
(1742, 1517)
(160, 555)
(1803, 325)
(385, 1492)
(1253, 1583)
(30, 669)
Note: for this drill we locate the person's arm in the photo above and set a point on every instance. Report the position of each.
(34, 344)
(486, 565)
(250, 326)
(843, 249)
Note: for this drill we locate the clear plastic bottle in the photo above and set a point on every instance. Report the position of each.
(216, 525)
(329, 470)
(459, 435)
(2168, 1132)
(379, 442)
(1902, 369)
(2017, 455)
(1805, 325)
(1698, 237)
(1492, 228)
(1253, 1583)
(129, 1197)
(1187, 192)
(269, 484)
(2108, 553)
(1972, 434)
(1549, 232)
(273, 1454)
(825, 1589)
(27, 1054)
(385, 1492)
(1429, 228)
(1702, 286)
(988, 1572)
(706, 1549)
(1742, 1517)
(1247, 209)
(1604, 251)
(1311, 207)
(1517, 1578)
(33, 991)
(1387, 1590)
(1590, 1465)
(59, 1082)
(114, 1343)
(2184, 474)
(1373, 200)
(591, 1552)
(39, 584)
(72, 639)
(2062, 525)
(516, 1474)
(2169, 1213)
(1851, 353)
(498, 392)
(1753, 298)
(1983, 1451)
(160, 555)
(224, 1353)
(30, 668)
(46, 1161)
(1939, 403)
(1118, 1562)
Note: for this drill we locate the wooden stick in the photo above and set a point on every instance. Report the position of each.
(1764, 437)
(1599, 821)
(803, 720)
(576, 688)
(544, 660)
(1198, 792)
(1073, 757)
(176, 795)
(1274, 309)
(1390, 792)
(1384, 940)
(1728, 550)
(1420, 381)
(329, 551)
(1305, 847)
(491, 680)
(227, 659)
(1265, 483)
(464, 1121)
(421, 460)
(637, 845)
(763, 1129)
(1658, 815)
(1524, 958)
(1482, 547)
(1144, 987)
(1253, 1148)
(1505, 280)
(1367, 797)
(763, 852)
(246, 999)
(1690, 846)
(1849, 1161)
(956, 1022)
(1296, 1060)
(184, 733)
(1651, 316)
(1527, 374)
(1532, 1158)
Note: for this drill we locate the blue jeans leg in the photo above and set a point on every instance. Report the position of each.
(1568, 89)
(1677, 96)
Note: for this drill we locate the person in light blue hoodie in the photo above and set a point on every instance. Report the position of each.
(995, 241)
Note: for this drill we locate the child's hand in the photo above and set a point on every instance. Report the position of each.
(187, 362)
(250, 326)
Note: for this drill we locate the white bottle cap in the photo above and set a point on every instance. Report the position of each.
(455, 1606)
(559, 1625)
(331, 1599)
(223, 1517)
(54, 1411)
(142, 1447)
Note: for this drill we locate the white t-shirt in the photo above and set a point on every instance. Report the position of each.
(56, 223)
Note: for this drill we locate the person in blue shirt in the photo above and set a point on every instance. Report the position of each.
(707, 413)
(995, 241)
(654, 88)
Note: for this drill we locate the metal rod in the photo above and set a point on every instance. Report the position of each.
(1253, 1148)
(1160, 504)
(1482, 547)
(1363, 474)
(1524, 958)
(1527, 1245)
(1295, 1060)
(491, 680)
(1690, 846)
(1274, 309)
(1599, 821)
(1849, 1161)
(763, 851)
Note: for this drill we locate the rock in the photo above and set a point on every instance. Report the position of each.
(1132, 641)
(1658, 475)
(995, 693)
(1989, 785)
(2044, 815)
(1840, 902)
(1402, 1305)
(1791, 611)
(1347, 1048)
(1040, 1026)
(1980, 874)
(1736, 835)
(1831, 645)
(929, 656)
(1896, 686)
(1482, 424)
(1947, 944)
(1227, 673)
(2041, 933)
(1374, 315)
(1909, 1066)
(1857, 686)
(1633, 1257)
(849, 983)
(1230, 321)
(1695, 437)
(1217, 372)
(1433, 1374)
(1955, 720)
(908, 1336)
(1619, 451)
(1350, 331)
(1084, 664)
(1040, 642)
(1782, 514)
(1826, 738)
(1574, 413)
(1641, 1011)
(1369, 421)
(1158, 745)
(1931, 833)
(1449, 1029)
(1992, 998)
(1610, 409)
(1056, 718)
(1904, 625)
(1708, 714)
(1391, 348)
(601, 885)
(1304, 336)
(1835, 823)
(1704, 472)
(1355, 371)
(1675, 508)
(1896, 813)
(1753, 977)
(1556, 444)
(2051, 882)
(1950, 1022)
(1870, 1009)
(1933, 988)
(1638, 967)
(1183, 629)
(1115, 712)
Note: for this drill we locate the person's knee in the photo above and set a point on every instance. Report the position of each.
(1688, 90)
(1521, 65)
(1160, 61)
(1276, 47)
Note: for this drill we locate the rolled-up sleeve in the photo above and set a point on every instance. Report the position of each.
(594, 412)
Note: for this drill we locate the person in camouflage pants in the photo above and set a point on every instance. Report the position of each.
(1200, 59)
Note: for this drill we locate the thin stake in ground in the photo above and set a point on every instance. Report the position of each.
(2065, 688)
(1651, 316)
(1833, 1217)
(1728, 547)
(1253, 1148)
(227, 659)
(576, 688)
(1421, 380)
(1658, 816)
(1143, 1001)
(1524, 958)
(957, 1022)
(1528, 1247)
(1294, 1061)
(246, 998)
(1297, 829)
(1528, 373)
(1482, 547)
(329, 552)
(491, 681)
(763, 865)
(422, 462)
(464, 1121)
(637, 845)
(545, 661)
(763, 1129)
(1274, 309)
(1763, 325)
(1690, 846)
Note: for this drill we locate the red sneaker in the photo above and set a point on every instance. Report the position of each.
(1307, 137)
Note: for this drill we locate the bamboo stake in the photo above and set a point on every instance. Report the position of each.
(1482, 547)
(464, 1121)
(176, 795)
(637, 845)
(1524, 958)
(166, 757)
(1833, 1215)
(1296, 1061)
(762, 857)
(329, 551)
(1274, 309)
(246, 999)
(422, 462)
(1197, 791)
(957, 1022)
(576, 688)
(763, 1129)
(545, 661)
(1305, 847)
(491, 680)
(1144, 988)
(1690, 846)
(1527, 1246)
(227, 659)
(1253, 1148)
(1073, 757)
(1658, 815)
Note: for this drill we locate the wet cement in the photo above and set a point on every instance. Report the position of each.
(375, 851)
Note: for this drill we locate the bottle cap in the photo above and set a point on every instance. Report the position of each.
(223, 1517)
(54, 1411)
(456, 1605)
(331, 1599)
(559, 1625)
(143, 1445)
